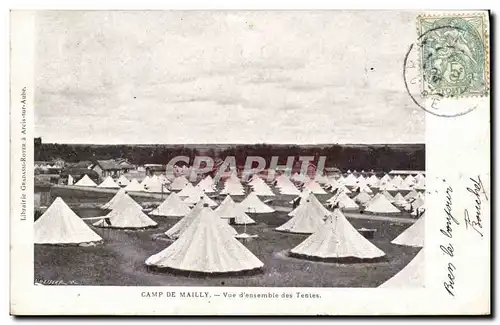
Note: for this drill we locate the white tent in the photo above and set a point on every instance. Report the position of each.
(412, 236)
(60, 225)
(196, 197)
(314, 187)
(154, 185)
(117, 200)
(420, 185)
(409, 181)
(253, 204)
(189, 190)
(388, 196)
(179, 183)
(350, 180)
(260, 187)
(341, 189)
(232, 186)
(306, 195)
(285, 186)
(373, 181)
(300, 178)
(307, 217)
(345, 202)
(321, 179)
(123, 181)
(207, 185)
(207, 247)
(364, 188)
(134, 186)
(126, 215)
(411, 276)
(337, 239)
(399, 200)
(177, 229)
(108, 182)
(380, 205)
(413, 194)
(172, 206)
(86, 181)
(228, 209)
(386, 178)
(362, 198)
(70, 180)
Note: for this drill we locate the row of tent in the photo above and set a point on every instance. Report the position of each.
(206, 243)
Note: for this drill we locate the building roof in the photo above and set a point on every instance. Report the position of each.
(406, 172)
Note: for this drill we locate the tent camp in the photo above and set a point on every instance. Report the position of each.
(411, 276)
(126, 215)
(117, 200)
(123, 181)
(60, 225)
(179, 183)
(304, 196)
(252, 204)
(206, 247)
(337, 240)
(380, 205)
(412, 236)
(307, 217)
(172, 206)
(134, 186)
(154, 185)
(228, 209)
(86, 181)
(108, 182)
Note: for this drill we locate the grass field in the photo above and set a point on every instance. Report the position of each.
(120, 259)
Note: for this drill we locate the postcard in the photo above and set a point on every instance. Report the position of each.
(250, 162)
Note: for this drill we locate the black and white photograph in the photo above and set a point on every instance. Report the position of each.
(281, 155)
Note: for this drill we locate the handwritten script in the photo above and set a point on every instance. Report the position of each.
(447, 249)
(477, 191)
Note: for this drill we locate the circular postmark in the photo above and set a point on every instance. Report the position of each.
(444, 70)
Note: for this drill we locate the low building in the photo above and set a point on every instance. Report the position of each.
(154, 169)
(111, 167)
(77, 174)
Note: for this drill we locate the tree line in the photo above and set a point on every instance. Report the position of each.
(357, 157)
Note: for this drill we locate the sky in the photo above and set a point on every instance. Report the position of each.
(318, 77)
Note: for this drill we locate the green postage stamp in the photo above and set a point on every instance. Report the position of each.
(454, 55)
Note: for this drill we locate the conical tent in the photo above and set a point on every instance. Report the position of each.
(362, 198)
(411, 276)
(286, 187)
(388, 196)
(86, 181)
(411, 195)
(399, 200)
(337, 239)
(252, 204)
(409, 181)
(350, 180)
(380, 204)
(232, 186)
(188, 190)
(179, 183)
(123, 181)
(196, 197)
(206, 247)
(60, 225)
(172, 206)
(126, 215)
(373, 181)
(345, 202)
(309, 196)
(228, 209)
(207, 185)
(307, 218)
(117, 200)
(414, 235)
(108, 182)
(154, 185)
(314, 187)
(321, 179)
(260, 187)
(341, 189)
(134, 186)
(386, 178)
(177, 229)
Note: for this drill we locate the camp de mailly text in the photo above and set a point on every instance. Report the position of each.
(229, 295)
(22, 159)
